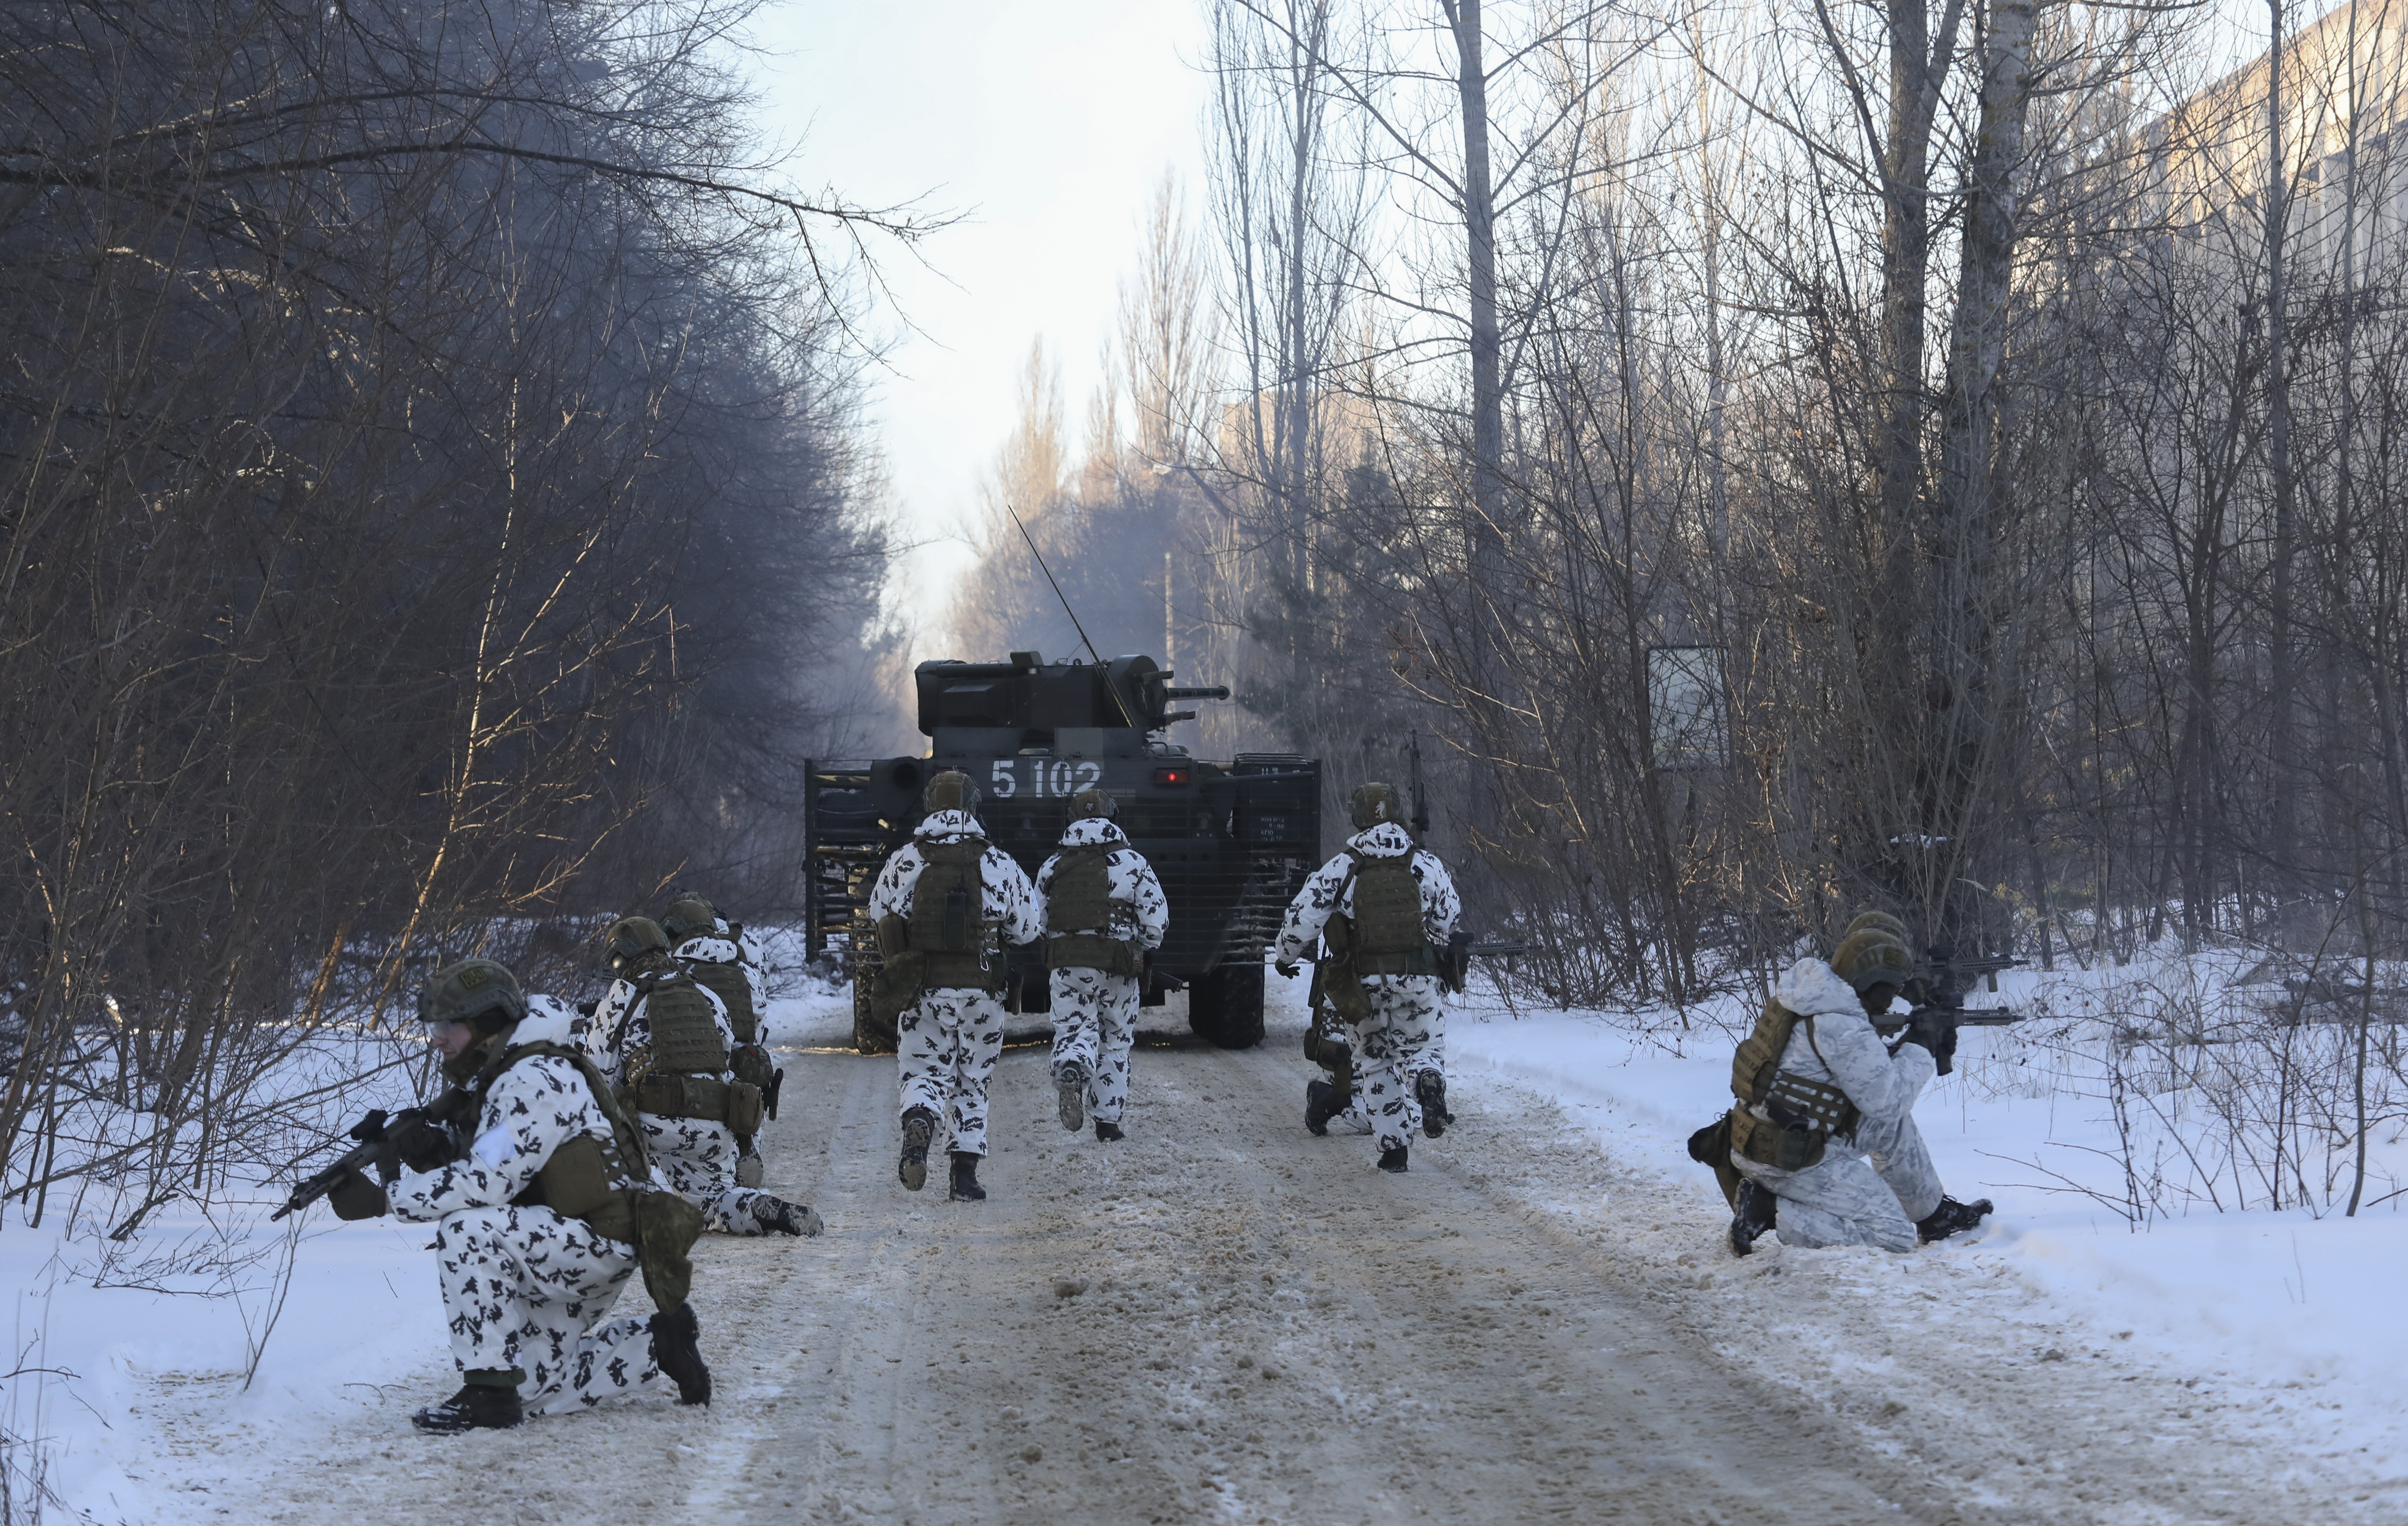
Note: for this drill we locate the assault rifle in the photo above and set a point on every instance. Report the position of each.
(1948, 978)
(422, 1138)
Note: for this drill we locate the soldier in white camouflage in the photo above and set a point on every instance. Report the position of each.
(945, 905)
(535, 1219)
(1104, 912)
(1823, 1140)
(721, 961)
(1384, 911)
(666, 1044)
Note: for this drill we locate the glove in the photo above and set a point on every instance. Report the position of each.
(1935, 1029)
(418, 1144)
(1286, 968)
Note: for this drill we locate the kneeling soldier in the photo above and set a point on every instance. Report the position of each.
(944, 905)
(668, 1052)
(536, 1221)
(716, 955)
(1823, 1137)
(1104, 911)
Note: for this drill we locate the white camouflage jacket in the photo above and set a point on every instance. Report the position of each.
(1839, 1048)
(533, 1107)
(1139, 912)
(612, 1058)
(1008, 901)
(1320, 899)
(719, 948)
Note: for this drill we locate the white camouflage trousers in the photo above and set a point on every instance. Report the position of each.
(1094, 1023)
(946, 1045)
(524, 1287)
(1392, 1047)
(696, 1159)
(1870, 1191)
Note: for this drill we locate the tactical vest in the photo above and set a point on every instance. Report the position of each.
(1383, 936)
(1081, 897)
(584, 1179)
(948, 929)
(1783, 1118)
(734, 987)
(685, 1032)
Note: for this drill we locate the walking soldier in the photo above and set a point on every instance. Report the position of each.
(1104, 912)
(944, 905)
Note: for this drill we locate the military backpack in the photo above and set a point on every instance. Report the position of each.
(1080, 901)
(957, 948)
(1382, 937)
(732, 984)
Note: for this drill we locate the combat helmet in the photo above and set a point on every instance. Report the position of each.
(1877, 921)
(478, 991)
(1373, 803)
(1872, 958)
(1093, 803)
(950, 790)
(689, 916)
(634, 942)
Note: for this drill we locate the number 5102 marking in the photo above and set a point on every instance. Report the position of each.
(1048, 778)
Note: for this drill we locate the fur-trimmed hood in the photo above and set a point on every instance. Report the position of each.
(948, 826)
(1093, 832)
(1810, 988)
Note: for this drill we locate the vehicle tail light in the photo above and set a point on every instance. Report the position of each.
(1171, 776)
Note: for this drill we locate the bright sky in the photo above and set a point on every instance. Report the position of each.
(1050, 121)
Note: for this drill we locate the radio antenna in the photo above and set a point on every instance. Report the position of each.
(1109, 687)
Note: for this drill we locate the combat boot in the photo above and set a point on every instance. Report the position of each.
(918, 1125)
(1951, 1217)
(783, 1217)
(1751, 1217)
(1393, 1161)
(1322, 1102)
(1429, 1090)
(1106, 1133)
(966, 1182)
(677, 1352)
(1070, 1094)
(477, 1406)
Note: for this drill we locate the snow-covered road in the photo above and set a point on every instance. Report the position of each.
(1224, 1318)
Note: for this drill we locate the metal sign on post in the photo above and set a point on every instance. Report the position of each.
(1688, 715)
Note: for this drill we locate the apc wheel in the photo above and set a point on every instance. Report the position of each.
(869, 1035)
(1225, 1007)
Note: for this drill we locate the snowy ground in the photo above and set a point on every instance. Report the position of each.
(1269, 1329)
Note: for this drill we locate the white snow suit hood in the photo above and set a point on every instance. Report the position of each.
(948, 826)
(1385, 841)
(1093, 832)
(1810, 988)
(550, 1020)
(711, 949)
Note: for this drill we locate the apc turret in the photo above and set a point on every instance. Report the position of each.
(1232, 842)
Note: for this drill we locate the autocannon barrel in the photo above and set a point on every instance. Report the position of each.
(1218, 690)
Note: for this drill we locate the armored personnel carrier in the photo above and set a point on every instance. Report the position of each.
(1232, 842)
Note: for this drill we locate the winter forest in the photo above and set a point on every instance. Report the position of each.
(1768, 459)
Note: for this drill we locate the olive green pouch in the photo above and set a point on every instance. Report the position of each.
(744, 1110)
(667, 1227)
